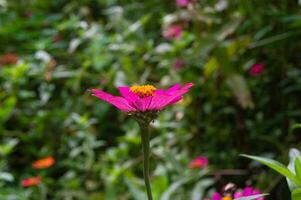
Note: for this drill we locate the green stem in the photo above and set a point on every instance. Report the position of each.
(145, 150)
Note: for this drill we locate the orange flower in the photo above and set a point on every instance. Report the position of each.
(43, 163)
(31, 181)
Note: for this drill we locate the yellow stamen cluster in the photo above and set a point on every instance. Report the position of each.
(143, 90)
(227, 198)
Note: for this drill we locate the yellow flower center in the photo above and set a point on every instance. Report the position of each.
(143, 90)
(227, 198)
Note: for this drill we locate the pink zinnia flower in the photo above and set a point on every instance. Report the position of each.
(143, 98)
(182, 3)
(248, 191)
(199, 162)
(143, 103)
(256, 69)
(173, 32)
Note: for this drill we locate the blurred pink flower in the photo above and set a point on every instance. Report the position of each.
(178, 64)
(27, 14)
(199, 162)
(57, 38)
(256, 69)
(143, 98)
(173, 32)
(31, 181)
(182, 3)
(8, 59)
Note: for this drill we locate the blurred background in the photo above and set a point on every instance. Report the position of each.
(242, 56)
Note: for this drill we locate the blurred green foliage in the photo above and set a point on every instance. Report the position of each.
(65, 47)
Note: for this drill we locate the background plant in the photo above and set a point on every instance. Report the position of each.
(292, 172)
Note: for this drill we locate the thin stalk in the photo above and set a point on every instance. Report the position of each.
(145, 152)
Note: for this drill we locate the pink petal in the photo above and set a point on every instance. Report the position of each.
(163, 98)
(159, 101)
(256, 191)
(146, 102)
(187, 86)
(177, 94)
(162, 101)
(216, 196)
(171, 96)
(116, 101)
(128, 94)
(177, 90)
(175, 100)
(238, 194)
(160, 91)
(248, 191)
(173, 88)
(140, 104)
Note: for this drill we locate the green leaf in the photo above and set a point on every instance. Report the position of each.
(277, 166)
(296, 194)
(294, 155)
(298, 167)
(96, 196)
(240, 89)
(251, 197)
(8, 146)
(5, 176)
(168, 194)
(296, 126)
(134, 190)
(200, 188)
(159, 185)
(210, 67)
(110, 190)
(7, 108)
(173, 188)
